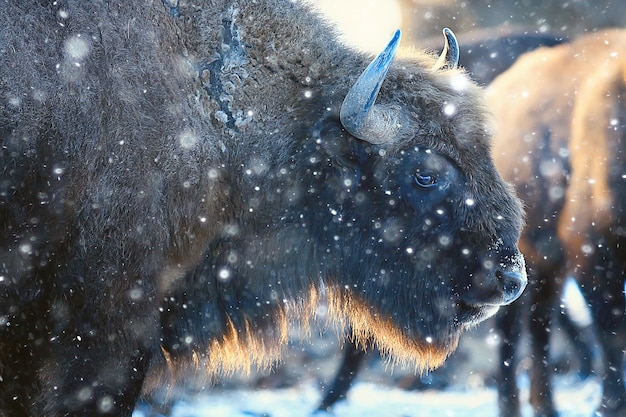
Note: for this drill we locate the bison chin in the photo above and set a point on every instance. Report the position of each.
(420, 328)
(370, 329)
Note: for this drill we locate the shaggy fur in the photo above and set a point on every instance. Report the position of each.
(176, 185)
(561, 141)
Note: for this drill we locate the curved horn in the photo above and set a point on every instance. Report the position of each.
(359, 115)
(449, 57)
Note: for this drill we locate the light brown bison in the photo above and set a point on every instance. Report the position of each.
(561, 116)
(178, 179)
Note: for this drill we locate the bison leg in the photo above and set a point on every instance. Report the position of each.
(545, 294)
(98, 372)
(23, 344)
(104, 337)
(508, 323)
(606, 300)
(19, 385)
(580, 336)
(92, 383)
(352, 359)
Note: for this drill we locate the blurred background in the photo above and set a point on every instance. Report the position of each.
(369, 23)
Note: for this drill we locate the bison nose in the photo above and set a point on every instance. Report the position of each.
(496, 283)
(511, 284)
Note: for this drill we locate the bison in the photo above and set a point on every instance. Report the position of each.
(562, 141)
(488, 56)
(181, 179)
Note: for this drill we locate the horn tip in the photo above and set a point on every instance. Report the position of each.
(449, 34)
(395, 39)
(450, 55)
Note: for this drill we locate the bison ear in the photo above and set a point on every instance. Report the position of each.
(359, 114)
(449, 57)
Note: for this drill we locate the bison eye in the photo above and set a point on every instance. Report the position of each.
(425, 180)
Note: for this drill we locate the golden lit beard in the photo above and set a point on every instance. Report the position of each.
(241, 349)
(369, 328)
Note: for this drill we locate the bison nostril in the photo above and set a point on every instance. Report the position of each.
(512, 284)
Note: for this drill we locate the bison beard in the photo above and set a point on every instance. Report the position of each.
(180, 181)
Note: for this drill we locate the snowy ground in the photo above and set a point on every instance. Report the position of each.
(368, 399)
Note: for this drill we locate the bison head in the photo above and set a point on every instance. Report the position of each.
(389, 203)
(420, 219)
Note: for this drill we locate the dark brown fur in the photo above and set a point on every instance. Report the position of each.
(175, 184)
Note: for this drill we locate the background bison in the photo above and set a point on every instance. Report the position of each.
(561, 141)
(177, 181)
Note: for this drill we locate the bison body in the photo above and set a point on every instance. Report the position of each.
(179, 180)
(485, 56)
(562, 142)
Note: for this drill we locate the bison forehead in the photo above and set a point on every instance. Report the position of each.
(445, 112)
